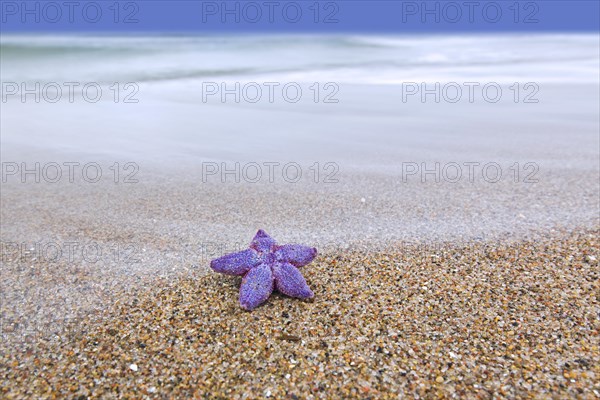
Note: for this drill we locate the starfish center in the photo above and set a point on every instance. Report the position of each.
(270, 258)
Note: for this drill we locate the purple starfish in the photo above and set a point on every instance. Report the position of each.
(266, 265)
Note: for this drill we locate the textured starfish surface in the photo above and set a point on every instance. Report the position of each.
(267, 266)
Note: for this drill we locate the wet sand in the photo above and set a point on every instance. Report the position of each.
(509, 318)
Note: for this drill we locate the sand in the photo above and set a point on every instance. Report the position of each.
(422, 289)
(503, 319)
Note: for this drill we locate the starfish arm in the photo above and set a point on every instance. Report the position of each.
(235, 263)
(296, 254)
(257, 286)
(289, 281)
(262, 242)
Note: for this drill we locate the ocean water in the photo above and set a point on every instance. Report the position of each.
(154, 104)
(349, 59)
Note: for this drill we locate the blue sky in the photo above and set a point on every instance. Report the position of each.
(397, 16)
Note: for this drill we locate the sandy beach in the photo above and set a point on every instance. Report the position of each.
(111, 296)
(458, 242)
(508, 319)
